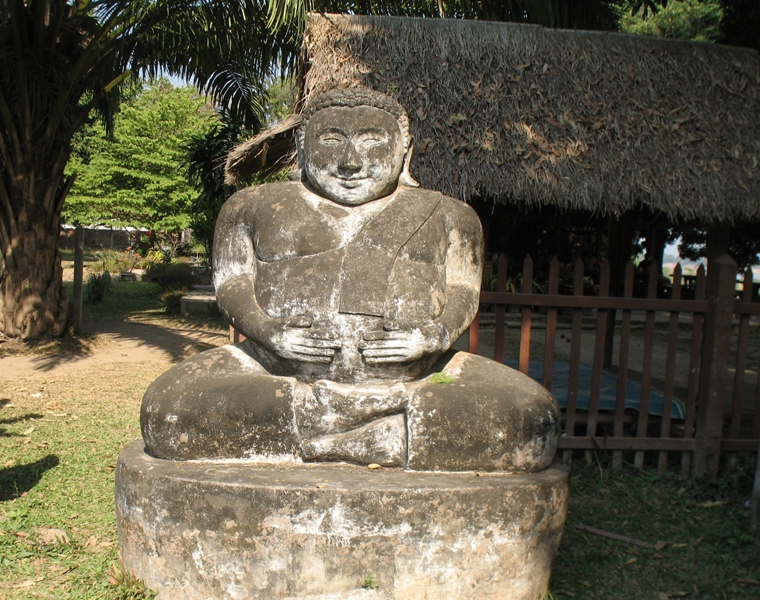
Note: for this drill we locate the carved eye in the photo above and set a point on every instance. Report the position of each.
(369, 139)
(332, 138)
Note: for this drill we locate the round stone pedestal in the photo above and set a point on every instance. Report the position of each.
(237, 529)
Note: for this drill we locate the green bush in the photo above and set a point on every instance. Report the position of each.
(114, 261)
(172, 301)
(97, 286)
(174, 276)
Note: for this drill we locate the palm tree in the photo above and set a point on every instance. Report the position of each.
(570, 14)
(61, 64)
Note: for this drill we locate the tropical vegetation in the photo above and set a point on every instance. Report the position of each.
(63, 63)
(138, 177)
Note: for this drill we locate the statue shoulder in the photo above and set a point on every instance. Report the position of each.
(266, 197)
(269, 192)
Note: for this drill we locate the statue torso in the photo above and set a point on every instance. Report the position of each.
(348, 269)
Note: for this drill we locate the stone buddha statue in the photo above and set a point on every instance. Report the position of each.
(351, 286)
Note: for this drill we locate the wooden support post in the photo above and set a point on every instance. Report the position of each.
(78, 279)
(620, 240)
(756, 500)
(721, 285)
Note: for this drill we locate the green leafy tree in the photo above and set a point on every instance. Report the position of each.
(139, 179)
(578, 14)
(698, 20)
(206, 154)
(61, 63)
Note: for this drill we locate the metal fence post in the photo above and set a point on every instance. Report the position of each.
(721, 286)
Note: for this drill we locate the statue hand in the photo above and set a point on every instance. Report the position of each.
(296, 340)
(400, 345)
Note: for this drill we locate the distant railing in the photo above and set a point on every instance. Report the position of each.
(714, 415)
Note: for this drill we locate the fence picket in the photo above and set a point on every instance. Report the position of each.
(525, 316)
(551, 325)
(646, 369)
(575, 357)
(501, 309)
(695, 362)
(599, 343)
(670, 366)
(741, 360)
(623, 357)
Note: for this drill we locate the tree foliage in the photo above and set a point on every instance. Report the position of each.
(698, 20)
(573, 14)
(61, 63)
(138, 179)
(205, 156)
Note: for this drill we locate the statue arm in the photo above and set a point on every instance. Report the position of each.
(402, 342)
(235, 265)
(464, 271)
(234, 281)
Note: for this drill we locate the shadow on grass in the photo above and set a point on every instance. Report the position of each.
(10, 421)
(19, 479)
(132, 315)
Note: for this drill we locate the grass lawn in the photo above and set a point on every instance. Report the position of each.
(61, 432)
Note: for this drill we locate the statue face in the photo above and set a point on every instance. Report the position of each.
(353, 155)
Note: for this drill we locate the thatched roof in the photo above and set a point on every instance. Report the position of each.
(582, 120)
(268, 152)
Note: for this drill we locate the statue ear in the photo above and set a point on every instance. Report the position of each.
(406, 177)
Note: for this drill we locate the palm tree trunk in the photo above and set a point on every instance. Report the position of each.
(32, 299)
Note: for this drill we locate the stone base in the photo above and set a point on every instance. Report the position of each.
(237, 529)
(199, 304)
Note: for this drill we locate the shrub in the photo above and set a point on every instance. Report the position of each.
(97, 286)
(172, 301)
(174, 276)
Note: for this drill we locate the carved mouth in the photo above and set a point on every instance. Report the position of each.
(351, 182)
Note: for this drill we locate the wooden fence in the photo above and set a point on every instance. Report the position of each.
(667, 380)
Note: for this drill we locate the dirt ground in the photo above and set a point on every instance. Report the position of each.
(109, 341)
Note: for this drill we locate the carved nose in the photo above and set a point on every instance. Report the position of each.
(350, 161)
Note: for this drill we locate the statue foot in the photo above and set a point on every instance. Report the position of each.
(383, 442)
(330, 407)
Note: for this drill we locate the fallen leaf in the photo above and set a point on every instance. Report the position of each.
(52, 536)
(27, 584)
(321, 485)
(374, 466)
(744, 581)
(713, 503)
(630, 561)
(22, 534)
(663, 596)
(8, 464)
(660, 545)
(28, 432)
(92, 540)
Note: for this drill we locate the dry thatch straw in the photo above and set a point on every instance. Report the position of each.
(273, 149)
(604, 122)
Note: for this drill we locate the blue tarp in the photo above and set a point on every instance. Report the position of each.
(608, 393)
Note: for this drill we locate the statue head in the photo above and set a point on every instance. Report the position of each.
(354, 145)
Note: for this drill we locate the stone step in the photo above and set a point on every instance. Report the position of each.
(199, 303)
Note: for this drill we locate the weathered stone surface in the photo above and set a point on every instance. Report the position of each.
(228, 530)
(487, 416)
